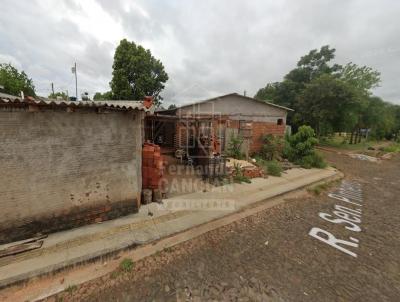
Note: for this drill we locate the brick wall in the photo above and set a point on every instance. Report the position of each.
(258, 129)
(261, 128)
(60, 170)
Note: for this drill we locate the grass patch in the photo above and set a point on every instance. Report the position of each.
(115, 274)
(392, 148)
(241, 178)
(71, 288)
(273, 168)
(342, 142)
(318, 189)
(168, 249)
(126, 265)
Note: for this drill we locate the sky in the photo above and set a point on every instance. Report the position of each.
(208, 48)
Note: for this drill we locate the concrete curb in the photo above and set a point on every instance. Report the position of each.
(130, 250)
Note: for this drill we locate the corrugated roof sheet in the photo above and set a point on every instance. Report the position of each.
(119, 105)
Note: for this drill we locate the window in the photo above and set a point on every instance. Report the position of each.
(279, 121)
(245, 129)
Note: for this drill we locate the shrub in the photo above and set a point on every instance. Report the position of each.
(274, 168)
(299, 148)
(313, 160)
(238, 176)
(272, 147)
(234, 147)
(301, 144)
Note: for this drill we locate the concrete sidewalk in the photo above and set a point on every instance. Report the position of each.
(175, 215)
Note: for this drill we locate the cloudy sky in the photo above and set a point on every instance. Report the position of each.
(207, 47)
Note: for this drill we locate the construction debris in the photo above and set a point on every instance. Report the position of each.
(248, 169)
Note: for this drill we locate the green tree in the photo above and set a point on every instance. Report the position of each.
(313, 65)
(396, 112)
(136, 73)
(98, 96)
(172, 106)
(362, 78)
(61, 94)
(14, 81)
(328, 104)
(281, 93)
(380, 117)
(331, 97)
(286, 93)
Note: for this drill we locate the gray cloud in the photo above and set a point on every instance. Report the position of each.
(208, 47)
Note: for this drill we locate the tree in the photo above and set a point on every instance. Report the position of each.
(309, 67)
(60, 94)
(313, 65)
(172, 106)
(331, 97)
(269, 92)
(98, 96)
(380, 117)
(328, 104)
(136, 73)
(362, 78)
(14, 81)
(281, 93)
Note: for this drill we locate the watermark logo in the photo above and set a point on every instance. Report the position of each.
(200, 204)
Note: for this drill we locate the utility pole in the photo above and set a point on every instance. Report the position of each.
(52, 88)
(76, 80)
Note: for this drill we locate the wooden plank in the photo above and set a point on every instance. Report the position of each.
(15, 243)
(21, 248)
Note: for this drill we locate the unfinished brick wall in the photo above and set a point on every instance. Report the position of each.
(260, 129)
(60, 170)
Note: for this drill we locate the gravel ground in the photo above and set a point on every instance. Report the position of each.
(271, 257)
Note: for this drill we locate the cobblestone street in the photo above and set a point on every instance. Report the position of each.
(271, 257)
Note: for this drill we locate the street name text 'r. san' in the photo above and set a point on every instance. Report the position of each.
(348, 215)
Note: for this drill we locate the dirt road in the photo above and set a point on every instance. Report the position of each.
(272, 257)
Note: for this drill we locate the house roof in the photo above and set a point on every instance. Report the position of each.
(6, 99)
(233, 94)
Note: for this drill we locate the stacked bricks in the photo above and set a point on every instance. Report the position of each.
(152, 166)
(253, 172)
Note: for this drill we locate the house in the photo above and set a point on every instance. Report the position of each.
(65, 164)
(219, 119)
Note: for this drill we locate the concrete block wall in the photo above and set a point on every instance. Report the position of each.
(61, 170)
